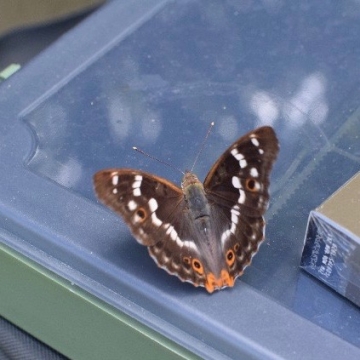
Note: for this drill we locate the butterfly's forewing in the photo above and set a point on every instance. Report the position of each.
(154, 210)
(237, 187)
(143, 200)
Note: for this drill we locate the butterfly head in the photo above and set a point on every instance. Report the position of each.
(189, 179)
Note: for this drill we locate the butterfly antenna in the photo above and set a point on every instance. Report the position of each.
(158, 160)
(202, 145)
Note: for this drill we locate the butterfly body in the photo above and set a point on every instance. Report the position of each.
(204, 233)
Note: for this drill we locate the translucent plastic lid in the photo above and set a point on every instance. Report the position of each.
(154, 74)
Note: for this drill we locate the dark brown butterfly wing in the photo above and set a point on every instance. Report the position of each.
(237, 186)
(155, 211)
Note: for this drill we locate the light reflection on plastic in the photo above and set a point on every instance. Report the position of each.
(264, 107)
(307, 104)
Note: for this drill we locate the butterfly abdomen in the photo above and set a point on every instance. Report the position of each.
(194, 193)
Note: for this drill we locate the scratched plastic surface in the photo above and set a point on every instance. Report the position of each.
(156, 80)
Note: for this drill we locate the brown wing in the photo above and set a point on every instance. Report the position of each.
(237, 187)
(143, 200)
(156, 213)
(249, 159)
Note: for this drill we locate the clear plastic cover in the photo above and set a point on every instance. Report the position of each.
(155, 77)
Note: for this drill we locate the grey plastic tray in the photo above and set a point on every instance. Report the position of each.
(154, 74)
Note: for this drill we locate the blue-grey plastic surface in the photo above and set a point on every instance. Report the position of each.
(154, 74)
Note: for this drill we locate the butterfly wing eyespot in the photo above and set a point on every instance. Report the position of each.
(197, 266)
(252, 185)
(230, 257)
(141, 214)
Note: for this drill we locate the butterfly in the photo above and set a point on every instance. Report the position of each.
(204, 233)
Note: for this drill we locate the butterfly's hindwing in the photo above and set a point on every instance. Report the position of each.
(177, 258)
